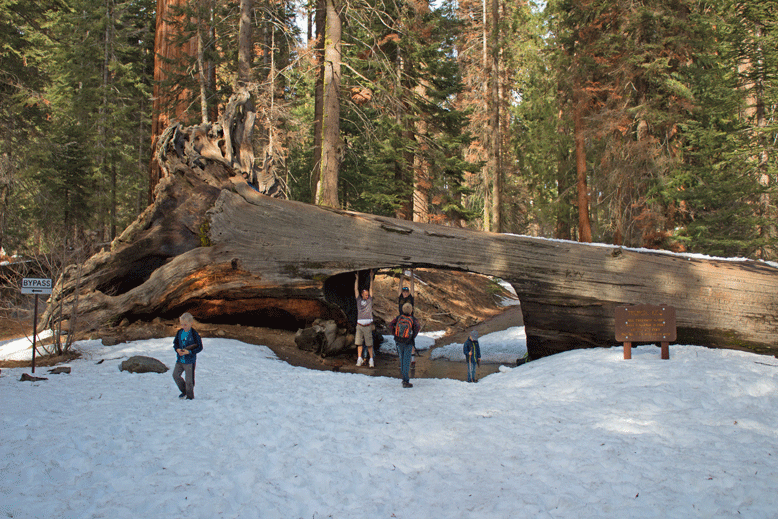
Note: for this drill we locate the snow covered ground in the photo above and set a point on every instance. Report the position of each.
(584, 434)
(505, 346)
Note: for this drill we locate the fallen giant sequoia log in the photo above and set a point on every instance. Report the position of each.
(212, 245)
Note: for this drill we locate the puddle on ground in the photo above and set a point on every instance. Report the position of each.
(439, 368)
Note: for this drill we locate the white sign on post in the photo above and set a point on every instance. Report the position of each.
(36, 286)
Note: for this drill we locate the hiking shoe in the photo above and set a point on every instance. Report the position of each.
(371, 364)
(407, 384)
(359, 361)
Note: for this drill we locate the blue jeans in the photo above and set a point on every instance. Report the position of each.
(404, 351)
(471, 370)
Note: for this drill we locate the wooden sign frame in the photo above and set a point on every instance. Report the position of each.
(645, 323)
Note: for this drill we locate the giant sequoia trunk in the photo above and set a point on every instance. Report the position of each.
(212, 245)
(167, 105)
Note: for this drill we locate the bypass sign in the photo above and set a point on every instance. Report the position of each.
(36, 286)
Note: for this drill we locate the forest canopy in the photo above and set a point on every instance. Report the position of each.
(640, 123)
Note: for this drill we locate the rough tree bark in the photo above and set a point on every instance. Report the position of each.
(318, 107)
(245, 50)
(495, 132)
(166, 107)
(584, 224)
(331, 141)
(213, 246)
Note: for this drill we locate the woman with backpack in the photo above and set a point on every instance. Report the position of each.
(405, 328)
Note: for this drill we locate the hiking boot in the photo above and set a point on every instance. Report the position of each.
(407, 384)
(371, 364)
(359, 361)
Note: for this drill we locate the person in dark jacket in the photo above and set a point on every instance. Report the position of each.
(405, 344)
(406, 292)
(187, 344)
(406, 296)
(472, 352)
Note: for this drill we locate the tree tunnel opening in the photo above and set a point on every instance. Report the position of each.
(271, 317)
(445, 298)
(339, 291)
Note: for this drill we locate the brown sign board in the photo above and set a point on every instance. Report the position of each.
(645, 323)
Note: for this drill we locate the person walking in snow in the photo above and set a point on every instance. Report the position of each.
(364, 332)
(187, 344)
(405, 328)
(472, 353)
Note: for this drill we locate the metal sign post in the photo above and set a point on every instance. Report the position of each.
(35, 286)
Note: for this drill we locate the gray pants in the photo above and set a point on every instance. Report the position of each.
(186, 388)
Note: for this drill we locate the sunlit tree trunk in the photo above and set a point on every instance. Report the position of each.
(422, 182)
(486, 170)
(402, 174)
(753, 67)
(495, 132)
(584, 224)
(206, 71)
(327, 189)
(166, 107)
(320, 17)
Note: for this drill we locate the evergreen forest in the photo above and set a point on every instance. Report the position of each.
(643, 123)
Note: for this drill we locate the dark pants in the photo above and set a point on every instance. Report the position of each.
(404, 351)
(187, 387)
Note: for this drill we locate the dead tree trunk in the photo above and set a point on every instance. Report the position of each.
(213, 246)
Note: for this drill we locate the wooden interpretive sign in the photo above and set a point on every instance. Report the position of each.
(645, 323)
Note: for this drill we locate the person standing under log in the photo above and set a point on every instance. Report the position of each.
(364, 332)
(187, 344)
(405, 328)
(406, 293)
(407, 296)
